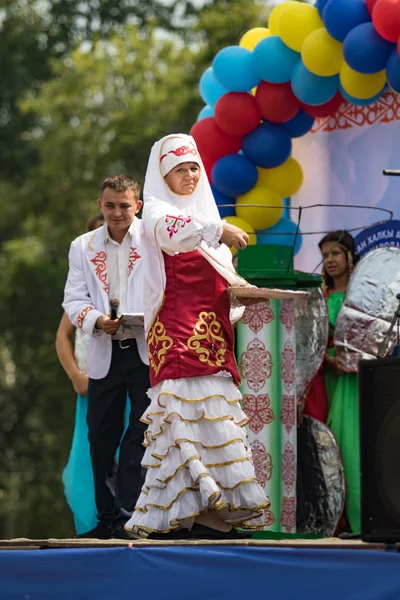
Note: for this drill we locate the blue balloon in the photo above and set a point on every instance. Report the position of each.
(273, 61)
(210, 89)
(393, 71)
(365, 50)
(313, 89)
(221, 199)
(286, 209)
(268, 146)
(300, 124)
(282, 234)
(234, 175)
(233, 69)
(341, 16)
(206, 111)
(320, 6)
(358, 101)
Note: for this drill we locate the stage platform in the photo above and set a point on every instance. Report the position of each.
(27, 544)
(323, 569)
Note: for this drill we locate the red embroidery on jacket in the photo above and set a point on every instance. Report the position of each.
(133, 257)
(82, 315)
(101, 269)
(176, 223)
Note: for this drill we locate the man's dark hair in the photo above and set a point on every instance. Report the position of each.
(95, 222)
(121, 183)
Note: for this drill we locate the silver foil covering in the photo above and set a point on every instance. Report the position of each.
(321, 483)
(369, 306)
(312, 327)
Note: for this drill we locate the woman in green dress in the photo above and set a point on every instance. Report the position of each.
(339, 257)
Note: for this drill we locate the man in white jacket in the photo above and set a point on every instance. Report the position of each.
(103, 265)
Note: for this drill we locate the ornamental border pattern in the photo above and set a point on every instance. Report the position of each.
(384, 110)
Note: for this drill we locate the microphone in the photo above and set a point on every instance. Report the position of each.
(391, 172)
(114, 304)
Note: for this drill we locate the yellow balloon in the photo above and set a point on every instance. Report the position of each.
(264, 216)
(286, 179)
(360, 85)
(321, 54)
(251, 38)
(246, 227)
(274, 17)
(296, 24)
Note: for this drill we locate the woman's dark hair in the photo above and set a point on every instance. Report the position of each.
(95, 222)
(346, 241)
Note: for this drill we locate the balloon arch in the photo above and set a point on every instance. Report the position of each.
(271, 87)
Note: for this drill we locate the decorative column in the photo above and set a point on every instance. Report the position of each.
(266, 354)
(288, 417)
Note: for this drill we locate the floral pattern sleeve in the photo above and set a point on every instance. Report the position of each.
(179, 233)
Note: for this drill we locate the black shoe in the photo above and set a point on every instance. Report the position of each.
(240, 535)
(202, 532)
(175, 534)
(347, 535)
(100, 532)
(119, 533)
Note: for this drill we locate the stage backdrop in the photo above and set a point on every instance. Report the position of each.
(343, 158)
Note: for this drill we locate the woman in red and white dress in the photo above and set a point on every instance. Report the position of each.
(200, 478)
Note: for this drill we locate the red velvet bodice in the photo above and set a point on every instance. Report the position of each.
(192, 335)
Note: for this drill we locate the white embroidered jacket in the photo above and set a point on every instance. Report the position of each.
(86, 293)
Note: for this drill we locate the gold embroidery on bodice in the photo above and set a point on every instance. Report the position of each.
(158, 343)
(208, 341)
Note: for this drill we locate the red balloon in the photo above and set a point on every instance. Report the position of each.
(386, 19)
(276, 101)
(208, 166)
(324, 110)
(370, 5)
(212, 142)
(237, 113)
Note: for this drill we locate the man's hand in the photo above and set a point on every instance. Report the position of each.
(108, 325)
(80, 383)
(234, 236)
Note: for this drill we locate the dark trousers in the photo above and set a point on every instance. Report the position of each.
(106, 416)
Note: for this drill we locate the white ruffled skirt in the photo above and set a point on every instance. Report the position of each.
(197, 458)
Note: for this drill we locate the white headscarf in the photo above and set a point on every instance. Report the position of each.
(174, 151)
(159, 199)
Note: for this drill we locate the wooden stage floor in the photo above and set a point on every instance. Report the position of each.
(325, 543)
